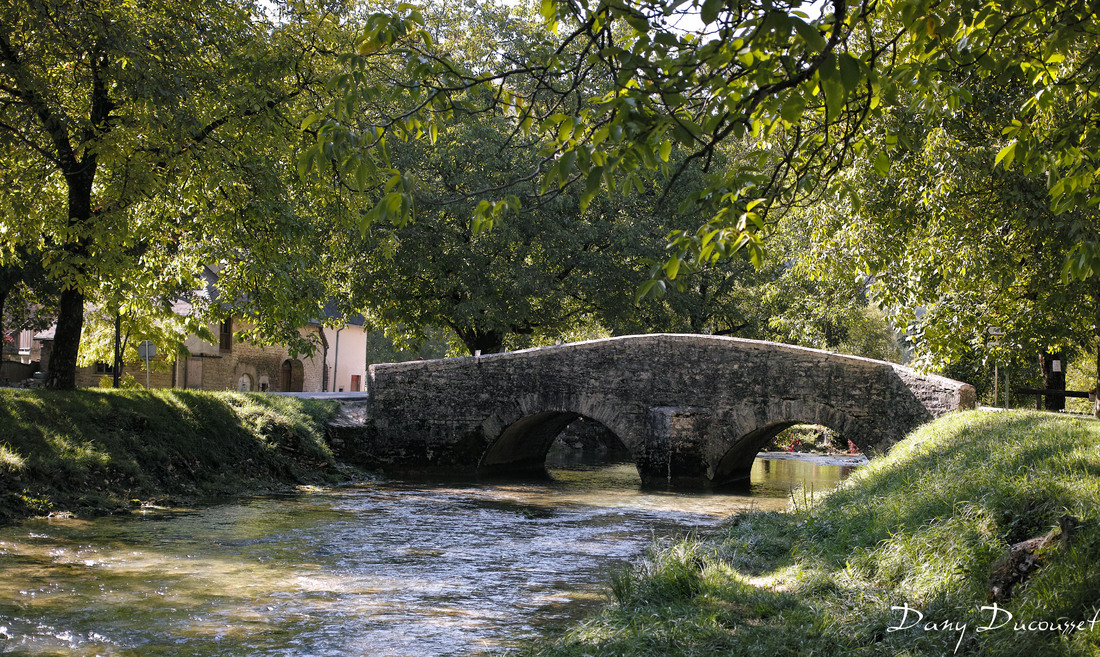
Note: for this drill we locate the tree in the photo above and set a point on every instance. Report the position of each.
(811, 91)
(537, 272)
(141, 142)
(959, 247)
(807, 88)
(533, 273)
(564, 253)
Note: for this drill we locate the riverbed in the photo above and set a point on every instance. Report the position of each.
(388, 567)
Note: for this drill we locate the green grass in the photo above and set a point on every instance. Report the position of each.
(91, 452)
(920, 527)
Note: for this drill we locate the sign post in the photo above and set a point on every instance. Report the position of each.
(147, 351)
(997, 332)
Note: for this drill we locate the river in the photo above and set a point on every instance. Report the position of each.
(389, 567)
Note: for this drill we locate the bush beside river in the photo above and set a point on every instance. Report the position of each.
(902, 559)
(96, 452)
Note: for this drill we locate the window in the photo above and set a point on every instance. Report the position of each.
(225, 337)
(103, 368)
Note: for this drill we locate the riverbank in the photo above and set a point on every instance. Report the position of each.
(94, 452)
(909, 557)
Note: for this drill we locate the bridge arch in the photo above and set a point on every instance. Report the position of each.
(745, 439)
(521, 432)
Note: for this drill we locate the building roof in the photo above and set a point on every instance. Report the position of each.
(331, 311)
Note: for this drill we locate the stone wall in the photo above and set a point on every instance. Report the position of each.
(160, 373)
(208, 367)
(689, 407)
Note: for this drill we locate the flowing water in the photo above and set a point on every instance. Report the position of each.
(381, 568)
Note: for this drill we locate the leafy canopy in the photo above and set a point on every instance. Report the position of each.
(806, 90)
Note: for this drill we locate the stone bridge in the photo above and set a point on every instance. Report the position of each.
(692, 409)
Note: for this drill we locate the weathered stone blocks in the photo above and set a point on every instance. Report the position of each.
(690, 408)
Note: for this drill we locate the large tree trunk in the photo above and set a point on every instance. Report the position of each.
(70, 313)
(487, 342)
(66, 343)
(1054, 380)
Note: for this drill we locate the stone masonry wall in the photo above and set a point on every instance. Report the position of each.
(687, 406)
(220, 370)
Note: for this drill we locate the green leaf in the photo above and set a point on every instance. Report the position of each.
(568, 158)
(672, 267)
(549, 10)
(849, 71)
(834, 97)
(306, 160)
(666, 150)
(565, 130)
(363, 173)
(710, 9)
(638, 22)
(393, 203)
(310, 120)
(882, 163)
(1008, 154)
(591, 186)
(810, 34)
(595, 177)
(792, 107)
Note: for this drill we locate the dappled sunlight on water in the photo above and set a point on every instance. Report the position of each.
(386, 568)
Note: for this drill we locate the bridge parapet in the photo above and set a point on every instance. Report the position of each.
(690, 408)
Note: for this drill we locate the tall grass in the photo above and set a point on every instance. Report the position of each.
(921, 528)
(101, 451)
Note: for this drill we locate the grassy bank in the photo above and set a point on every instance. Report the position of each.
(94, 452)
(928, 528)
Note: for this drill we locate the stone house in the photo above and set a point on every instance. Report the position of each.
(231, 364)
(236, 365)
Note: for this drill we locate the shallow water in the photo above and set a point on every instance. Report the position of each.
(382, 568)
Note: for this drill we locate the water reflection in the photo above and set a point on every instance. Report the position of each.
(385, 568)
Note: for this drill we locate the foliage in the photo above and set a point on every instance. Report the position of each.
(957, 247)
(143, 142)
(25, 294)
(811, 438)
(921, 527)
(536, 273)
(126, 382)
(804, 92)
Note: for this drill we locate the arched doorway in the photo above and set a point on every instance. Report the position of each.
(291, 376)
